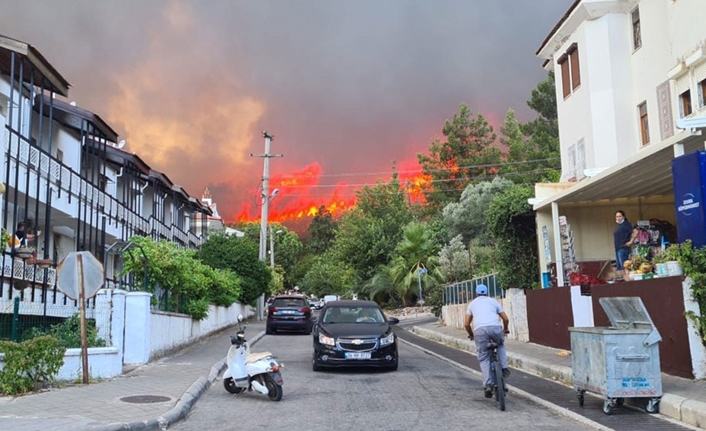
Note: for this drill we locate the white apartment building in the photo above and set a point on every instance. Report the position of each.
(628, 74)
(63, 172)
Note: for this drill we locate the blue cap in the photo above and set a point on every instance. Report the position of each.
(481, 289)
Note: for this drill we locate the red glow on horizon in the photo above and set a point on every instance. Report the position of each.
(302, 193)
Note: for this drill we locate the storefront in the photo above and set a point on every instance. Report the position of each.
(575, 224)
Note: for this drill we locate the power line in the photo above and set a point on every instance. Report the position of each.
(448, 180)
(420, 170)
(441, 180)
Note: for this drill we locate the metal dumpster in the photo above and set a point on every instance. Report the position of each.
(621, 361)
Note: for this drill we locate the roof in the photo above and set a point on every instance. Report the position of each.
(122, 158)
(74, 117)
(161, 177)
(558, 25)
(647, 174)
(42, 68)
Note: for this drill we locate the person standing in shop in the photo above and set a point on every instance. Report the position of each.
(623, 237)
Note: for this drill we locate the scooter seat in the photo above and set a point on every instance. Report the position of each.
(254, 357)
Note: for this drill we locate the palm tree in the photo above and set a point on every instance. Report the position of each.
(400, 277)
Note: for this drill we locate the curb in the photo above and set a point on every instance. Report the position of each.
(546, 404)
(686, 411)
(183, 406)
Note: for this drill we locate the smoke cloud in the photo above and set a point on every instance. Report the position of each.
(345, 87)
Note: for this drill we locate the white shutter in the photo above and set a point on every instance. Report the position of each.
(700, 75)
(700, 72)
(571, 171)
(580, 158)
(683, 84)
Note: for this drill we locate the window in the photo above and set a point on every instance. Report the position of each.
(570, 70)
(565, 77)
(636, 34)
(644, 124)
(60, 156)
(702, 93)
(575, 74)
(685, 103)
(572, 163)
(580, 159)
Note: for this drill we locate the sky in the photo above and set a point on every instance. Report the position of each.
(349, 89)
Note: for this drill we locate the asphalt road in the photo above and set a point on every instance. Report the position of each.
(426, 393)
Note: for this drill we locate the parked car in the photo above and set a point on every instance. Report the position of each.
(354, 334)
(316, 303)
(289, 313)
(328, 298)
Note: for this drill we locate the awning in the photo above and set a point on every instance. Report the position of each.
(645, 174)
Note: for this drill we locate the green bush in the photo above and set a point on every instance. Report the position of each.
(30, 364)
(197, 308)
(512, 226)
(68, 333)
(693, 262)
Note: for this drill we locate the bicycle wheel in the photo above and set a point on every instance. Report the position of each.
(499, 386)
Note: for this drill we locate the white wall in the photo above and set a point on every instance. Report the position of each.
(514, 304)
(170, 331)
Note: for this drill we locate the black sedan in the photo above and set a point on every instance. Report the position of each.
(354, 334)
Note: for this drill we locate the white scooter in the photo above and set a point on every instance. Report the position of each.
(252, 371)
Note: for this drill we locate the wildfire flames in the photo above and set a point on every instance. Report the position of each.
(302, 193)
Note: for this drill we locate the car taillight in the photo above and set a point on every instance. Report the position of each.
(272, 310)
(304, 310)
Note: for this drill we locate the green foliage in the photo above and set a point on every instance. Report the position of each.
(288, 247)
(30, 364)
(693, 262)
(468, 216)
(322, 231)
(68, 333)
(368, 234)
(464, 157)
(535, 140)
(455, 260)
(223, 286)
(277, 282)
(302, 267)
(197, 308)
(239, 255)
(511, 224)
(435, 299)
(328, 276)
(177, 271)
(400, 278)
(483, 259)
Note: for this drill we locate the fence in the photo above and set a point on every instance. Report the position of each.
(22, 320)
(464, 291)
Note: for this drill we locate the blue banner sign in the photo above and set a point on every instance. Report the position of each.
(689, 174)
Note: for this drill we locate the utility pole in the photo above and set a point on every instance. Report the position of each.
(265, 208)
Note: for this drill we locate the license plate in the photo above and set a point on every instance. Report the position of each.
(357, 355)
(288, 312)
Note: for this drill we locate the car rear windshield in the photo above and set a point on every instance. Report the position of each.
(353, 315)
(289, 302)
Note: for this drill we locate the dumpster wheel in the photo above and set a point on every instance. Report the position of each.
(608, 407)
(579, 395)
(652, 405)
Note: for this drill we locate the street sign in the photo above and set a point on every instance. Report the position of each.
(77, 267)
(79, 276)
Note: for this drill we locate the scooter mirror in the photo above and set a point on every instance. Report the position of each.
(240, 317)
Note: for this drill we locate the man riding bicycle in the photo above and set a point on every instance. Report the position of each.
(483, 312)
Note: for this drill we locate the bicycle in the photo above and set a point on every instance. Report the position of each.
(496, 375)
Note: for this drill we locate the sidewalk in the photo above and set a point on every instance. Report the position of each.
(682, 399)
(162, 392)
